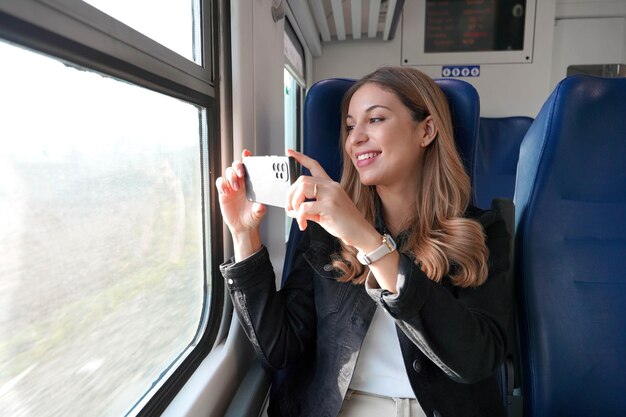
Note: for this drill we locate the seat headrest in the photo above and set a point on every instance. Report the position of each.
(465, 108)
(576, 145)
(322, 123)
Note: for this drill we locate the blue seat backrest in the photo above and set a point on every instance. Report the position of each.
(570, 200)
(322, 123)
(495, 161)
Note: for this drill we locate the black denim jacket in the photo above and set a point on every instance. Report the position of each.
(452, 339)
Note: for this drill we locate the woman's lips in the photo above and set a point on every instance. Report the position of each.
(366, 158)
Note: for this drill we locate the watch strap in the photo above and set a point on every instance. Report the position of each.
(388, 245)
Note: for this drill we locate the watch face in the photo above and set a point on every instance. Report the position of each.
(388, 240)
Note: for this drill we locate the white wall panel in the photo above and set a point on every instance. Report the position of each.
(267, 100)
(585, 41)
(505, 89)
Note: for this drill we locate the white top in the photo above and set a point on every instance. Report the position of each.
(380, 369)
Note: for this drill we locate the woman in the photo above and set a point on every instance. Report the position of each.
(397, 299)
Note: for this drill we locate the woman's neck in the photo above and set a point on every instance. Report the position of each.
(398, 210)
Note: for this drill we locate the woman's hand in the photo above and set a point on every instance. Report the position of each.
(242, 217)
(320, 199)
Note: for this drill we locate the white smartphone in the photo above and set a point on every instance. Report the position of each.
(268, 178)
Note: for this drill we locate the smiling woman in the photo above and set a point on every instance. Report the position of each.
(382, 132)
(403, 116)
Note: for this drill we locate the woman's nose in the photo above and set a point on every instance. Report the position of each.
(358, 135)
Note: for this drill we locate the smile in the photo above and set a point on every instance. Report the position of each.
(368, 155)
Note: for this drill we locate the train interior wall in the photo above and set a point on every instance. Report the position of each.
(566, 32)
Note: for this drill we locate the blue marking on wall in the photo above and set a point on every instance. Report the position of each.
(454, 71)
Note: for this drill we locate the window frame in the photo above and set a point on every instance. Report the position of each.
(290, 31)
(82, 35)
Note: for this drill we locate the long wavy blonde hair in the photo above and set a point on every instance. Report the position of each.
(440, 240)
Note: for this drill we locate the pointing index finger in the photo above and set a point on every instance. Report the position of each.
(309, 163)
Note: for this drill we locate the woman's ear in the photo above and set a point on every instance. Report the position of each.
(429, 132)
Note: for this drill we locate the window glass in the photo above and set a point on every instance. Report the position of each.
(291, 110)
(102, 287)
(174, 24)
(293, 86)
(292, 96)
(293, 93)
(294, 51)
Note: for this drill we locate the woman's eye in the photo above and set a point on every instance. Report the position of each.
(376, 119)
(349, 128)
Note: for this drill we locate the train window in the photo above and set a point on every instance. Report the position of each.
(293, 92)
(293, 86)
(293, 96)
(101, 211)
(182, 19)
(109, 293)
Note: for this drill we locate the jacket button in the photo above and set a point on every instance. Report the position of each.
(230, 281)
(436, 414)
(328, 267)
(417, 366)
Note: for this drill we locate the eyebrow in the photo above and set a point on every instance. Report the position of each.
(369, 109)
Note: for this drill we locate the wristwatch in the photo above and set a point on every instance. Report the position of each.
(387, 247)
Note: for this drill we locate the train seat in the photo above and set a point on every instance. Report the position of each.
(570, 196)
(495, 160)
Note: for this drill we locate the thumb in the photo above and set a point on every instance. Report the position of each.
(258, 210)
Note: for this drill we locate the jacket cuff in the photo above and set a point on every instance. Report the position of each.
(412, 290)
(245, 273)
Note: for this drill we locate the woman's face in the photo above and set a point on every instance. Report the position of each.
(383, 141)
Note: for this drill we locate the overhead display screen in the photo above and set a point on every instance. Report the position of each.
(468, 32)
(474, 25)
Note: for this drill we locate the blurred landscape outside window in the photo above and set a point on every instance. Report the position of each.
(102, 287)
